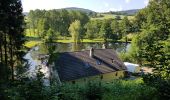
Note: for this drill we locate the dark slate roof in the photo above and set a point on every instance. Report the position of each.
(75, 65)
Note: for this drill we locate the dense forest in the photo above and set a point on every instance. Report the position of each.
(150, 30)
(39, 22)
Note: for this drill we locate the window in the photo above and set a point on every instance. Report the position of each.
(98, 62)
(112, 60)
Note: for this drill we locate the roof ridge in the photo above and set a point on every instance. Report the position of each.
(87, 50)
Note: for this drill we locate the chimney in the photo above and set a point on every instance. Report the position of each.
(91, 52)
(104, 46)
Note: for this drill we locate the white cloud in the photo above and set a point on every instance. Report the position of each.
(112, 9)
(120, 8)
(127, 1)
(106, 4)
(146, 2)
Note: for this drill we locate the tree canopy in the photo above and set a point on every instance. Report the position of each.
(153, 44)
(11, 38)
(75, 30)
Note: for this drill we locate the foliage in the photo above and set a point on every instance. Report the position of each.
(125, 57)
(115, 90)
(134, 51)
(50, 36)
(93, 90)
(40, 21)
(115, 29)
(56, 20)
(125, 27)
(105, 30)
(75, 30)
(151, 45)
(11, 38)
(92, 29)
(30, 89)
(157, 58)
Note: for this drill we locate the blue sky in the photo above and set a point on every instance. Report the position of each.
(95, 5)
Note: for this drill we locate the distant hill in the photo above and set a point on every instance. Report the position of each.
(125, 12)
(71, 8)
(25, 13)
(129, 12)
(79, 9)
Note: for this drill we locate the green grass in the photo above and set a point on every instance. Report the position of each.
(84, 40)
(105, 16)
(131, 17)
(31, 44)
(111, 16)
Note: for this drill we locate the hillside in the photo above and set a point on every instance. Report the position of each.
(106, 14)
(71, 8)
(110, 16)
(124, 12)
(129, 12)
(79, 9)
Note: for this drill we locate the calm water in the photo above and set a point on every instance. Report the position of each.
(69, 47)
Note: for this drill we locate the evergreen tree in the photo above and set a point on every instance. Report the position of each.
(11, 31)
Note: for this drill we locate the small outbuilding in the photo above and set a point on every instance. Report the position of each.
(133, 68)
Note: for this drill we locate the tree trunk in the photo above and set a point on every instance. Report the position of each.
(11, 59)
(2, 70)
(6, 55)
(1, 52)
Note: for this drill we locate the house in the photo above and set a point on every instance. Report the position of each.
(92, 64)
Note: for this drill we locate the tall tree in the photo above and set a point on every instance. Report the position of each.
(154, 48)
(11, 29)
(115, 29)
(139, 20)
(93, 29)
(125, 27)
(106, 30)
(75, 29)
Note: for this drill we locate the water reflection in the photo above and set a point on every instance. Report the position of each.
(69, 47)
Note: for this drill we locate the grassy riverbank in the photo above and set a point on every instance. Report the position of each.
(32, 43)
(34, 39)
